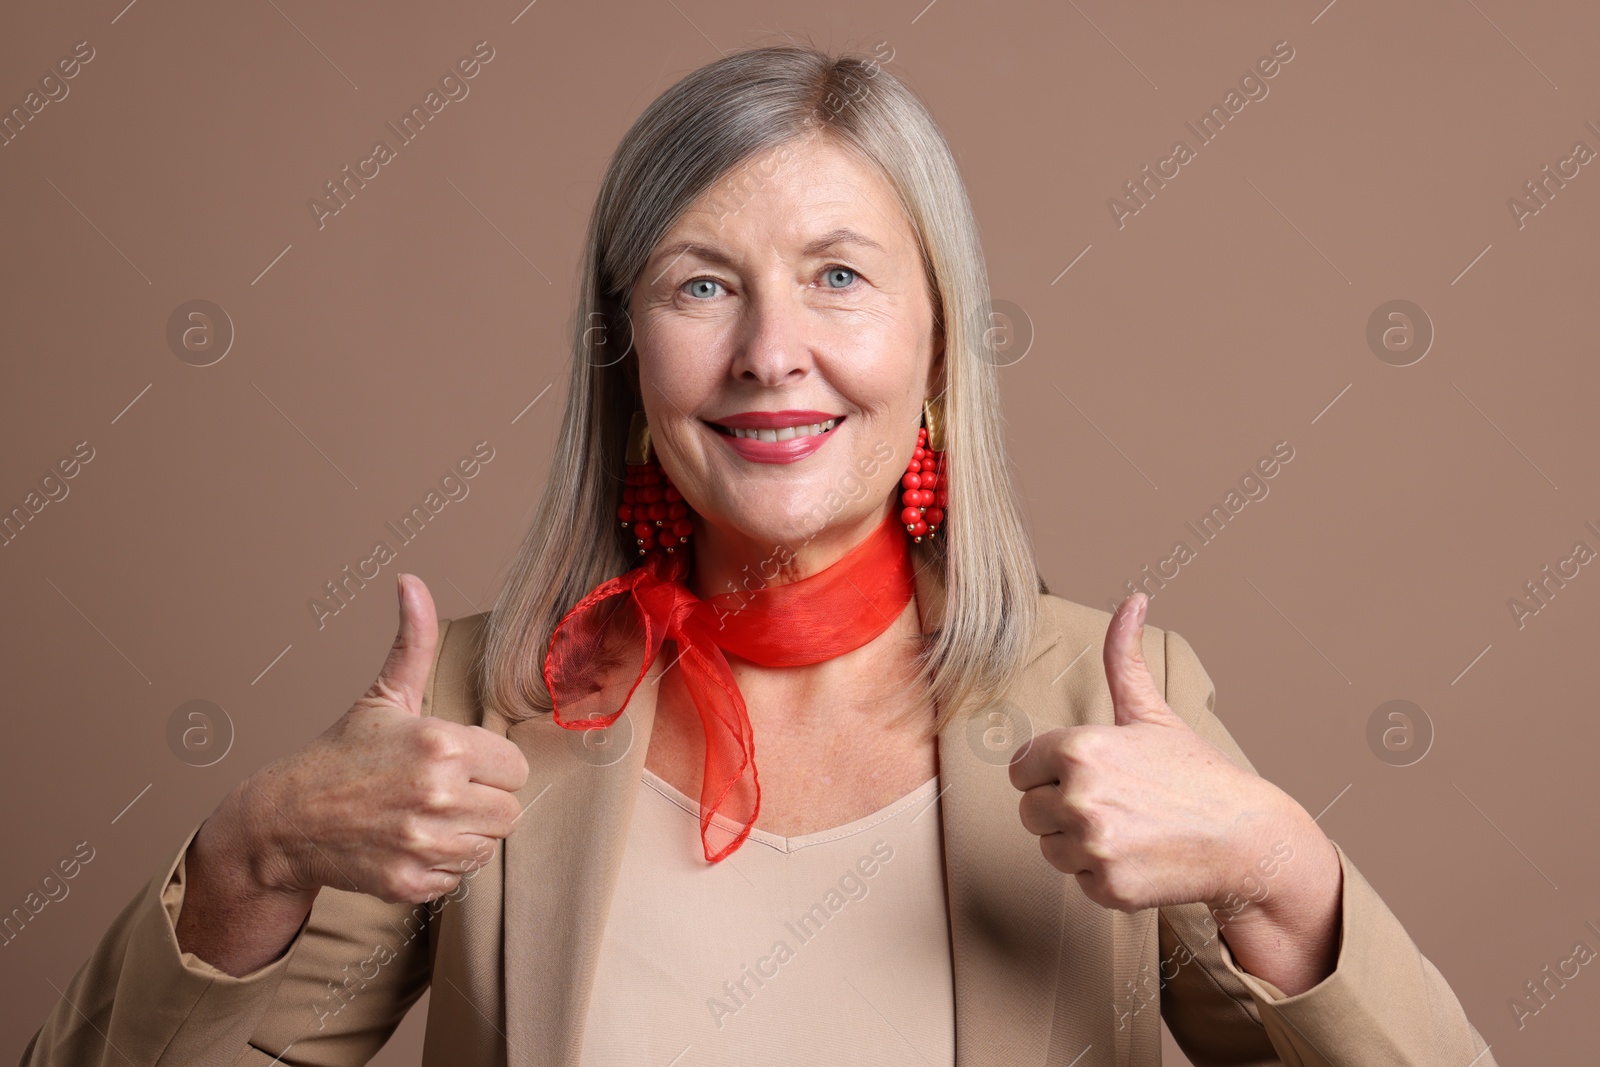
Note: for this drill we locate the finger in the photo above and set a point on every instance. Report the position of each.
(469, 852)
(489, 812)
(1043, 810)
(1066, 856)
(1134, 695)
(404, 674)
(1037, 763)
(494, 760)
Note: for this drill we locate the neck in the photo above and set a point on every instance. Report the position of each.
(728, 561)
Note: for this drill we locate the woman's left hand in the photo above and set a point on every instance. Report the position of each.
(1146, 813)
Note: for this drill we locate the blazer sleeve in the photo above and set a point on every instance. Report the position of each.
(1384, 1002)
(332, 999)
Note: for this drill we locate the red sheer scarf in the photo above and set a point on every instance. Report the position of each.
(599, 653)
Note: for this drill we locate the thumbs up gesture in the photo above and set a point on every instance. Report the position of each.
(1145, 812)
(386, 801)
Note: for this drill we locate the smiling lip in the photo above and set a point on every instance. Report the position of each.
(811, 437)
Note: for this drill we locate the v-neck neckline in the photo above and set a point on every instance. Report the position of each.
(922, 793)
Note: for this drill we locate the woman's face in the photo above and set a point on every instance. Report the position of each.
(791, 294)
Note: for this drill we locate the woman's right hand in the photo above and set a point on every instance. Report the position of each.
(386, 801)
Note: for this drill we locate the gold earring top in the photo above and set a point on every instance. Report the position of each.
(933, 418)
(638, 450)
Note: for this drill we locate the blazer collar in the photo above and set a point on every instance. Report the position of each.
(1009, 909)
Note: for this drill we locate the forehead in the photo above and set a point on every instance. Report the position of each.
(794, 193)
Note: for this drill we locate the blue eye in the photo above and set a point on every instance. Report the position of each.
(835, 271)
(701, 281)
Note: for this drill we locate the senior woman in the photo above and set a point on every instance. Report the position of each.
(789, 749)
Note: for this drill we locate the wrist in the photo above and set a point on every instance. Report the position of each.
(249, 822)
(1268, 837)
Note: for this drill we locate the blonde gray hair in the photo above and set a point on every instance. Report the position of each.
(694, 136)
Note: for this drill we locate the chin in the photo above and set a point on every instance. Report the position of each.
(794, 520)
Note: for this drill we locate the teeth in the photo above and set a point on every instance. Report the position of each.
(786, 432)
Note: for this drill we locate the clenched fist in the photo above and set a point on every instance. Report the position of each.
(386, 801)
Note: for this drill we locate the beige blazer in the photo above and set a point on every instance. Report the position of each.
(1042, 974)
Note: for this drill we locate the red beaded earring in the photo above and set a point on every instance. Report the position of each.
(651, 504)
(925, 488)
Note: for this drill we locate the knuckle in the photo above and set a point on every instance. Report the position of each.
(436, 740)
(435, 797)
(413, 835)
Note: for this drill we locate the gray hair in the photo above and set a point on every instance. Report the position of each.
(689, 139)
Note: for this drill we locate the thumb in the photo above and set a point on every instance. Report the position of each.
(1134, 694)
(404, 674)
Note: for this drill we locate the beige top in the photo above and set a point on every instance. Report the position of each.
(831, 947)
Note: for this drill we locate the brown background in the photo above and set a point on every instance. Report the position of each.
(1228, 315)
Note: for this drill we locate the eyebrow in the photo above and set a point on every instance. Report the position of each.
(831, 239)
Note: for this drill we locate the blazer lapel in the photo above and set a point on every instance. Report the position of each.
(561, 867)
(1033, 957)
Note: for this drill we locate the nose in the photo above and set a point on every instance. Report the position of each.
(775, 348)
